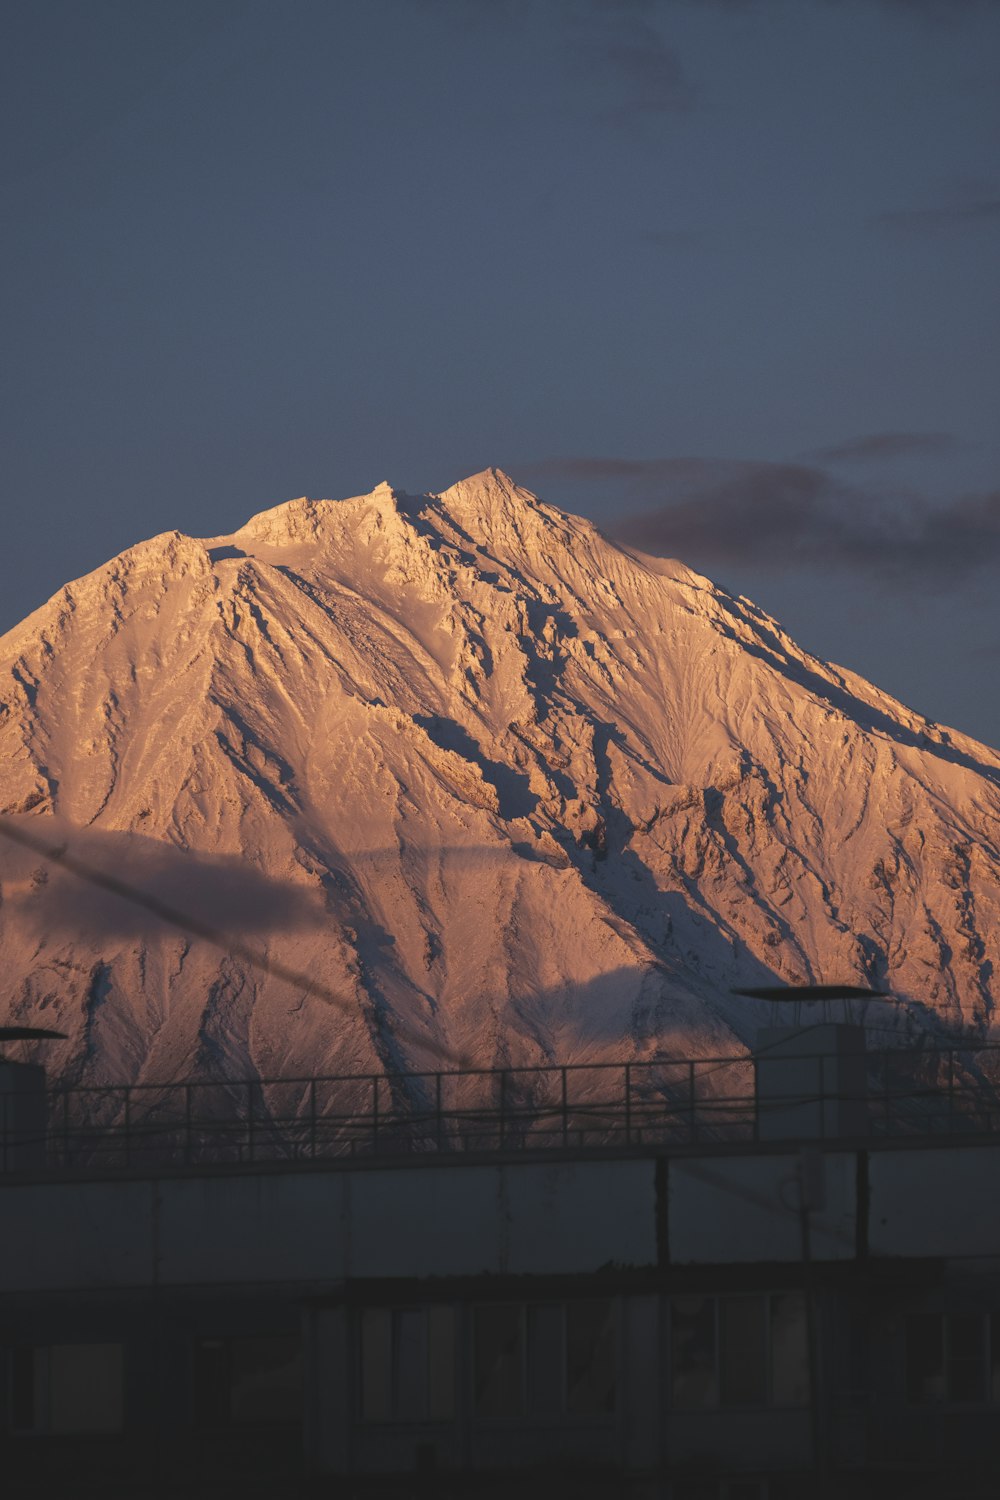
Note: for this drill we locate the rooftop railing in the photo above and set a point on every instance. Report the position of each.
(665, 1102)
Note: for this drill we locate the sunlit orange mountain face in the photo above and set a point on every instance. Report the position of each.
(478, 785)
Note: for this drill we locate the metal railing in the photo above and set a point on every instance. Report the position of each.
(671, 1102)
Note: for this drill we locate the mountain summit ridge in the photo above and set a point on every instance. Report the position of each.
(504, 787)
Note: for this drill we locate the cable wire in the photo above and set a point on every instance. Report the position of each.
(82, 869)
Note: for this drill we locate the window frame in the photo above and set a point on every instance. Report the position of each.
(562, 1415)
(393, 1417)
(210, 1422)
(41, 1376)
(766, 1300)
(989, 1358)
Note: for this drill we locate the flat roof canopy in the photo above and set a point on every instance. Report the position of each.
(797, 993)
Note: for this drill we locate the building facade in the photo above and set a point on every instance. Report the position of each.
(717, 1319)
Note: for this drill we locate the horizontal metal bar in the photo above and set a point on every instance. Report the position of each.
(909, 1090)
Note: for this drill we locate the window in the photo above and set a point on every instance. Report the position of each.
(248, 1381)
(499, 1360)
(546, 1359)
(789, 1349)
(953, 1357)
(66, 1388)
(739, 1351)
(408, 1364)
(743, 1351)
(590, 1358)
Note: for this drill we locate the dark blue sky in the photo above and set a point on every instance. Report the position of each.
(721, 274)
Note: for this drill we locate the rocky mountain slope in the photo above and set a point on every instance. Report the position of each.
(505, 791)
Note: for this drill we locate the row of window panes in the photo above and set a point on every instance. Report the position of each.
(546, 1359)
(66, 1388)
(953, 1357)
(408, 1363)
(559, 1359)
(550, 1359)
(742, 1351)
(739, 1351)
(77, 1388)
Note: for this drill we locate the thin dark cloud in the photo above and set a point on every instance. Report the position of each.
(981, 213)
(620, 49)
(887, 445)
(942, 10)
(675, 239)
(964, 536)
(602, 468)
(627, 67)
(722, 513)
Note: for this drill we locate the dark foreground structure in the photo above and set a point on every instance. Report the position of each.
(736, 1279)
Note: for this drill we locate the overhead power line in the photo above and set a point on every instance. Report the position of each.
(82, 869)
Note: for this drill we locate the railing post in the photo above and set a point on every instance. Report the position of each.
(913, 1096)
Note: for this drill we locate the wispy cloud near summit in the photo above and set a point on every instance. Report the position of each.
(784, 516)
(881, 446)
(961, 205)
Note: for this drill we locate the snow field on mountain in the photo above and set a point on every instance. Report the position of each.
(506, 792)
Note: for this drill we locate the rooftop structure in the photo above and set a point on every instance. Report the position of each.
(817, 1082)
(668, 1281)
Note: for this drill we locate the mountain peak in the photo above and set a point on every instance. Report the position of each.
(498, 782)
(497, 511)
(490, 487)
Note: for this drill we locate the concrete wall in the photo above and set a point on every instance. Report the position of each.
(76, 1234)
(740, 1209)
(339, 1442)
(739, 1439)
(520, 1217)
(525, 1217)
(942, 1202)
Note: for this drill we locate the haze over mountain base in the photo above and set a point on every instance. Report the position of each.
(507, 792)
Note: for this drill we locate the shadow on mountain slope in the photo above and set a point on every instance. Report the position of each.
(768, 649)
(225, 892)
(676, 994)
(514, 796)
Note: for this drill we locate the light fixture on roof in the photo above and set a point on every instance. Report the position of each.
(812, 994)
(29, 1034)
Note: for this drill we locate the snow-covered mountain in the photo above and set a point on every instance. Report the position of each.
(505, 791)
